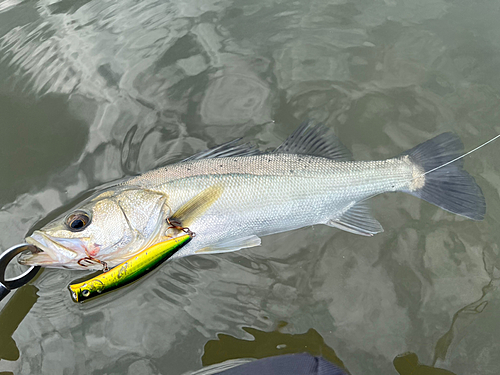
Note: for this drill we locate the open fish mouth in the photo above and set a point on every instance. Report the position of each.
(51, 252)
(36, 259)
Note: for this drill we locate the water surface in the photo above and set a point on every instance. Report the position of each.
(92, 91)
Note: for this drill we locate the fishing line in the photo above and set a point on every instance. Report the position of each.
(443, 165)
(458, 158)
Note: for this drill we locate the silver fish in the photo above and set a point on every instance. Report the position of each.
(246, 194)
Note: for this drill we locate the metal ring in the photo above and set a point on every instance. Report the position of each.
(25, 277)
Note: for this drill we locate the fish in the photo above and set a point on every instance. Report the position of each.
(128, 271)
(285, 364)
(308, 180)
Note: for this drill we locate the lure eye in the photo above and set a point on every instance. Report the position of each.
(77, 221)
(85, 292)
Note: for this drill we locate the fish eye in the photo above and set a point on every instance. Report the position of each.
(77, 221)
(85, 292)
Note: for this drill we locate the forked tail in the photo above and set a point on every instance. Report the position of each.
(443, 180)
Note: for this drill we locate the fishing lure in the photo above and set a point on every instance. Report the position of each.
(128, 271)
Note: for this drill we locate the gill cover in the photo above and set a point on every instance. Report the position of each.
(107, 226)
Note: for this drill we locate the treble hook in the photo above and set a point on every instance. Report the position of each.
(6, 285)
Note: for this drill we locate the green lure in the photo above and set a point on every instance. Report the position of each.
(128, 271)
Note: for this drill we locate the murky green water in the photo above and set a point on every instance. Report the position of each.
(91, 91)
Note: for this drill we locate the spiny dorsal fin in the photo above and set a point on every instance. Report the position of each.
(197, 206)
(315, 141)
(232, 148)
(357, 220)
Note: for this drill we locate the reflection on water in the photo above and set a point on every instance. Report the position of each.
(25, 142)
(11, 315)
(275, 343)
(92, 91)
(407, 364)
(267, 344)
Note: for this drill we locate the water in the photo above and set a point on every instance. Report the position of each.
(92, 91)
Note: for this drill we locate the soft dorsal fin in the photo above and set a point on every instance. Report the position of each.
(358, 220)
(315, 140)
(231, 148)
(197, 206)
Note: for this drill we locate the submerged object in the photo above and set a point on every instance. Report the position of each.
(128, 271)
(242, 194)
(287, 364)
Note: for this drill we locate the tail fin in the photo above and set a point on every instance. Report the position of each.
(450, 186)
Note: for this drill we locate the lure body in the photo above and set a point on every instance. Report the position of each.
(128, 271)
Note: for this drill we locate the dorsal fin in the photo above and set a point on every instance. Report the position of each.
(231, 148)
(315, 140)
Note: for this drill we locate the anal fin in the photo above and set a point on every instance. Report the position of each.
(358, 220)
(231, 245)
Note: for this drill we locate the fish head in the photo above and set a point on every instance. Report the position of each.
(107, 227)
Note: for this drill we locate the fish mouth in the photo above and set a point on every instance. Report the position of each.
(51, 252)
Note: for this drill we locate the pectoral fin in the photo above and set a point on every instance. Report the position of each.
(232, 245)
(357, 220)
(197, 206)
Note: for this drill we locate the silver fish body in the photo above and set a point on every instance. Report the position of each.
(266, 194)
(241, 195)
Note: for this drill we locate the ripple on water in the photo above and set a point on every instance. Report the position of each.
(54, 303)
(156, 81)
(234, 99)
